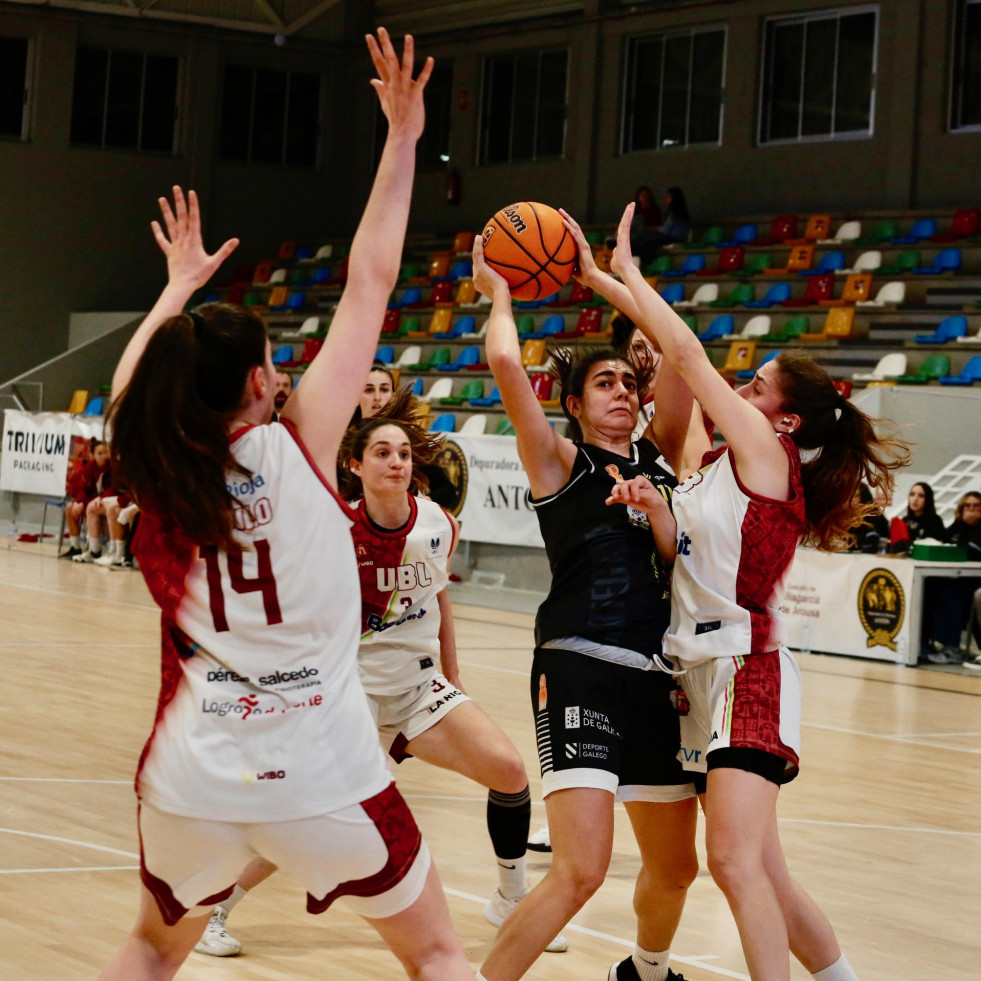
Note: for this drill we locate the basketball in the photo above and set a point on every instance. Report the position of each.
(531, 248)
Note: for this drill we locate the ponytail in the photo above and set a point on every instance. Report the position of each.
(849, 451)
(169, 438)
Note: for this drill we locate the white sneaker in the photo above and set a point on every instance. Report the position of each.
(87, 556)
(216, 940)
(540, 841)
(498, 909)
(973, 663)
(107, 558)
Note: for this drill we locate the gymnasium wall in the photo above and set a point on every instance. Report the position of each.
(73, 221)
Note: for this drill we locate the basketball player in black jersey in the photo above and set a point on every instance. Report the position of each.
(606, 723)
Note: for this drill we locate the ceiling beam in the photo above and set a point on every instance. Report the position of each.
(271, 14)
(314, 13)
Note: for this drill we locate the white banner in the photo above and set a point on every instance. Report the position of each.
(493, 502)
(850, 603)
(37, 447)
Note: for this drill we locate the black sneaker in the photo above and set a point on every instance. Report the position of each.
(627, 971)
(71, 553)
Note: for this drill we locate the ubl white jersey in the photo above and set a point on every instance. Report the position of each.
(734, 551)
(261, 715)
(402, 572)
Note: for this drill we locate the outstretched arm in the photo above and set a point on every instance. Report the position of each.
(189, 267)
(762, 462)
(640, 493)
(546, 456)
(670, 428)
(321, 407)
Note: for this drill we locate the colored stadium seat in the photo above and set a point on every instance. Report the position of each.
(966, 224)
(474, 425)
(445, 423)
(857, 287)
(889, 293)
(949, 329)
(890, 367)
(706, 293)
(936, 366)
(690, 267)
(830, 262)
(904, 262)
(792, 328)
(817, 228)
(747, 374)
(969, 374)
(730, 261)
(737, 296)
(739, 357)
(921, 229)
(718, 329)
(782, 227)
(801, 257)
(818, 288)
(711, 238)
(945, 261)
(469, 356)
(777, 293)
(472, 389)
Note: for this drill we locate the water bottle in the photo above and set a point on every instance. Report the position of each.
(11, 533)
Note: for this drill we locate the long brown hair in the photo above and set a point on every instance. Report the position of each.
(169, 440)
(850, 451)
(407, 412)
(570, 365)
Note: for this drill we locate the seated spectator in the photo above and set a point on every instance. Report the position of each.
(284, 388)
(920, 520)
(647, 213)
(873, 529)
(675, 228)
(83, 487)
(949, 603)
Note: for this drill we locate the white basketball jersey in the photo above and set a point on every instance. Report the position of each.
(734, 551)
(402, 573)
(261, 713)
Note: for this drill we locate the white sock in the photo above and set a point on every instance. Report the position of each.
(95, 546)
(652, 965)
(119, 549)
(75, 541)
(841, 970)
(238, 894)
(512, 877)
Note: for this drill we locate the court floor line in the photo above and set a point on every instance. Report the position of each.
(905, 739)
(697, 961)
(80, 868)
(459, 894)
(148, 607)
(63, 780)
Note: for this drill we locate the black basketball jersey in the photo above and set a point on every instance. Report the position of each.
(608, 583)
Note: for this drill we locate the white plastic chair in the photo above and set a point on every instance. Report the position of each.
(479, 332)
(971, 338)
(889, 366)
(847, 232)
(324, 252)
(705, 293)
(474, 425)
(310, 326)
(409, 355)
(754, 327)
(889, 293)
(866, 262)
(279, 276)
(441, 388)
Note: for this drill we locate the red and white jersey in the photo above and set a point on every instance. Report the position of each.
(261, 715)
(734, 551)
(402, 573)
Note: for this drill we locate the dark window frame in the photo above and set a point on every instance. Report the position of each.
(142, 129)
(766, 68)
(959, 56)
(630, 97)
(250, 157)
(23, 135)
(489, 65)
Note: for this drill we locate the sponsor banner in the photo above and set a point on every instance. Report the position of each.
(492, 496)
(37, 447)
(850, 603)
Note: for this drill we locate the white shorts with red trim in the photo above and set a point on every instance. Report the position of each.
(750, 702)
(402, 717)
(371, 855)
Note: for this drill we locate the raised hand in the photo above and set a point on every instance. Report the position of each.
(188, 264)
(587, 265)
(485, 279)
(622, 261)
(639, 493)
(399, 94)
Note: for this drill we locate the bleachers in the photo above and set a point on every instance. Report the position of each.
(854, 289)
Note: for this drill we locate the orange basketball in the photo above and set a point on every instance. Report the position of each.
(531, 248)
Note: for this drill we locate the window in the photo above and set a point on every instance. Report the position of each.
(270, 116)
(819, 76)
(434, 146)
(124, 100)
(523, 107)
(965, 103)
(673, 90)
(14, 64)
